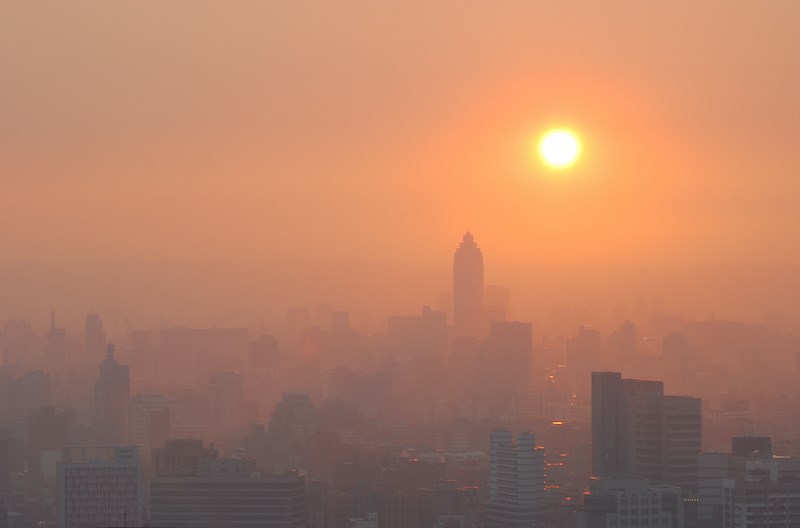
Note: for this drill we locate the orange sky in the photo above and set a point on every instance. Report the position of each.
(255, 143)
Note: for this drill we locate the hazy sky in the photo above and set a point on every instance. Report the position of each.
(223, 156)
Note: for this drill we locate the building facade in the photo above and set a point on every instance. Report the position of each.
(637, 431)
(224, 494)
(629, 502)
(100, 486)
(516, 481)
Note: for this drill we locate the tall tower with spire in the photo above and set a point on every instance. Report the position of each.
(467, 287)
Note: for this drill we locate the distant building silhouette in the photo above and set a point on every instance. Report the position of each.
(148, 423)
(94, 338)
(468, 288)
(226, 394)
(181, 457)
(19, 397)
(112, 390)
(511, 345)
(56, 352)
(48, 429)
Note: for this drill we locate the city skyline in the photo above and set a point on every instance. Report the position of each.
(425, 264)
(138, 151)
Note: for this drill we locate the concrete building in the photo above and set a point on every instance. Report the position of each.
(516, 481)
(181, 458)
(20, 397)
(631, 502)
(226, 392)
(112, 390)
(100, 486)
(148, 423)
(637, 431)
(749, 487)
(224, 494)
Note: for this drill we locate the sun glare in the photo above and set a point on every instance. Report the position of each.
(559, 148)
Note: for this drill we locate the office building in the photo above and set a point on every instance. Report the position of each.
(20, 397)
(516, 481)
(468, 288)
(112, 391)
(148, 423)
(749, 487)
(181, 457)
(226, 394)
(56, 351)
(629, 502)
(511, 346)
(637, 431)
(99, 486)
(226, 493)
(48, 430)
(94, 338)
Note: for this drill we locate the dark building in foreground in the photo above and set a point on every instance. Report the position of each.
(613, 502)
(226, 493)
(749, 487)
(637, 431)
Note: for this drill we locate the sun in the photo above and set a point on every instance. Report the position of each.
(559, 148)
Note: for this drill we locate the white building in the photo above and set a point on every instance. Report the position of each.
(629, 502)
(516, 480)
(100, 486)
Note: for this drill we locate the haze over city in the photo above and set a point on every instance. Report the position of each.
(292, 153)
(390, 258)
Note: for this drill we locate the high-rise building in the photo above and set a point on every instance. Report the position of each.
(226, 493)
(749, 487)
(112, 390)
(511, 344)
(637, 431)
(94, 337)
(468, 288)
(100, 487)
(181, 458)
(56, 352)
(446, 504)
(516, 481)
(585, 351)
(148, 423)
(19, 397)
(48, 429)
(227, 396)
(615, 502)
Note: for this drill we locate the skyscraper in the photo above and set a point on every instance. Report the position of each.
(637, 431)
(516, 481)
(94, 337)
(467, 288)
(112, 391)
(148, 423)
(56, 352)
